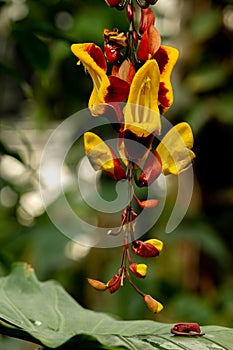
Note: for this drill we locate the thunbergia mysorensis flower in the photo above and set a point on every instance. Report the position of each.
(132, 87)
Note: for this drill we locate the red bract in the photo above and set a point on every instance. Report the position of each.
(151, 170)
(147, 20)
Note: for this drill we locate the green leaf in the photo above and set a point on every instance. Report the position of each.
(42, 312)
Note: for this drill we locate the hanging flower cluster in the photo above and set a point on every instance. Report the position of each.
(132, 87)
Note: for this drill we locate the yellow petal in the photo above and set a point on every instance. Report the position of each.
(156, 243)
(141, 112)
(174, 149)
(98, 152)
(97, 72)
(141, 269)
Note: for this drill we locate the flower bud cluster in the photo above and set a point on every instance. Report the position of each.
(149, 248)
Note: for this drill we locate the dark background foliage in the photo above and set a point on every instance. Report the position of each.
(41, 86)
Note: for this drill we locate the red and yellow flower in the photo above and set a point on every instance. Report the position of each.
(105, 89)
(138, 91)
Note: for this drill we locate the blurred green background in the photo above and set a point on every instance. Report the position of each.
(41, 86)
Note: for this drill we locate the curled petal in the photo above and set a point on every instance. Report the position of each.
(175, 149)
(115, 38)
(102, 156)
(94, 62)
(138, 270)
(141, 112)
(166, 57)
(154, 40)
(147, 249)
(113, 43)
(105, 89)
(152, 304)
(97, 284)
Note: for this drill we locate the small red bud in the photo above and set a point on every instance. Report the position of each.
(112, 53)
(114, 283)
(147, 249)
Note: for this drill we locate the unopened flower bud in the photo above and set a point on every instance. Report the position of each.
(152, 304)
(138, 270)
(147, 249)
(114, 283)
(112, 53)
(97, 284)
(130, 12)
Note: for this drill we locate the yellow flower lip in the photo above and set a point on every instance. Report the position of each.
(175, 149)
(92, 58)
(141, 112)
(166, 57)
